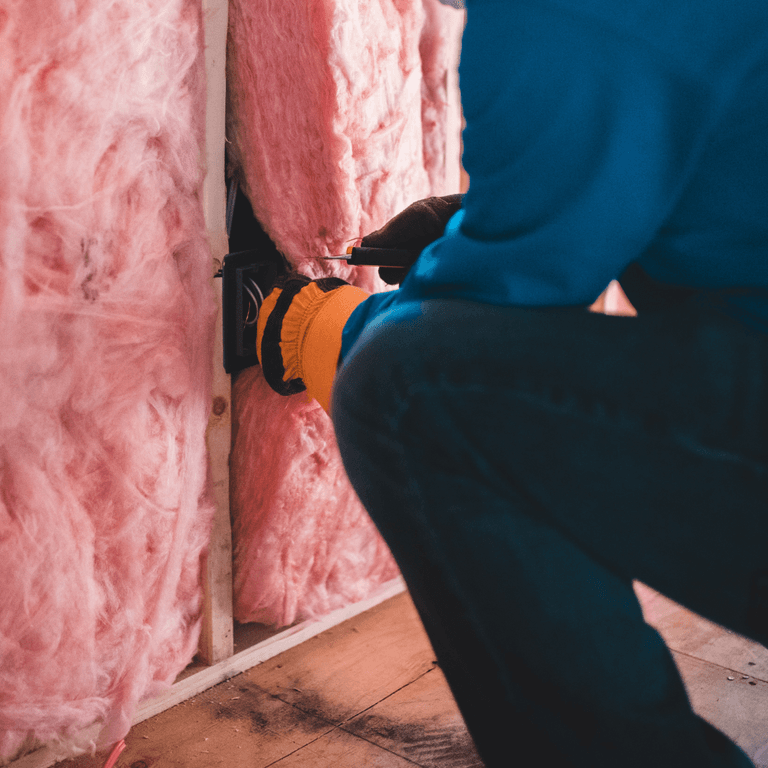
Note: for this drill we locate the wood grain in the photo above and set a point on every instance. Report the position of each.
(367, 692)
(216, 636)
(422, 723)
(339, 749)
(352, 666)
(233, 724)
(288, 704)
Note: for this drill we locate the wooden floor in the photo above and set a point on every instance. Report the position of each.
(364, 694)
(367, 694)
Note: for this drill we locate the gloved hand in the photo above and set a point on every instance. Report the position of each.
(298, 333)
(420, 224)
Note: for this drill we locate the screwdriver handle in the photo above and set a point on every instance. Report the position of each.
(360, 256)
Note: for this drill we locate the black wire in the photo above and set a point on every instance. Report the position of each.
(231, 195)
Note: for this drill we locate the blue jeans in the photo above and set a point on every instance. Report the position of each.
(524, 466)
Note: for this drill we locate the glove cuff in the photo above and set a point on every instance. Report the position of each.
(319, 345)
(298, 334)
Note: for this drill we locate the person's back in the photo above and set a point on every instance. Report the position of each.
(601, 133)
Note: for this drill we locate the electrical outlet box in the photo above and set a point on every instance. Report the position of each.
(247, 278)
(248, 273)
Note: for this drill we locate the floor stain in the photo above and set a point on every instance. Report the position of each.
(424, 743)
(246, 701)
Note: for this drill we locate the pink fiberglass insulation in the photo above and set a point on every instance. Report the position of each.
(106, 317)
(339, 115)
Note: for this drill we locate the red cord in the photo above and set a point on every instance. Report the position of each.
(112, 759)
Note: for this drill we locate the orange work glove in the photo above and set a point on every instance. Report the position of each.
(298, 333)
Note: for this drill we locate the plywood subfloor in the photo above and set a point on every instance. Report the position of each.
(364, 693)
(368, 693)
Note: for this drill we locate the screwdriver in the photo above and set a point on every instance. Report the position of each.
(361, 256)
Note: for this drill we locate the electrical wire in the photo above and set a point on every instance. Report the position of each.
(114, 754)
(256, 302)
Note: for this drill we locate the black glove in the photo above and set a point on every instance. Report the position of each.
(420, 224)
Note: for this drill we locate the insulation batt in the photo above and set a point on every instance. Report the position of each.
(338, 118)
(106, 323)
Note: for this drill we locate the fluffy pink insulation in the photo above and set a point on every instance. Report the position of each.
(106, 316)
(339, 117)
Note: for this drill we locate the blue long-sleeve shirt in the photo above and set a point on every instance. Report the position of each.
(603, 134)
